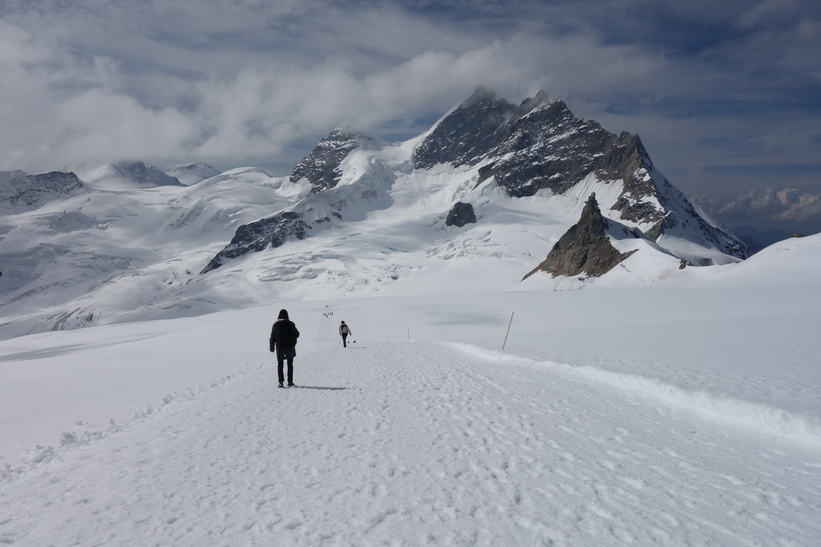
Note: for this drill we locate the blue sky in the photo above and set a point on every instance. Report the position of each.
(726, 96)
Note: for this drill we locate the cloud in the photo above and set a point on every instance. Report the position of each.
(61, 108)
(705, 84)
(261, 110)
(788, 204)
(76, 107)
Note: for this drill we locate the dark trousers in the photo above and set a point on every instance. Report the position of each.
(280, 362)
(344, 340)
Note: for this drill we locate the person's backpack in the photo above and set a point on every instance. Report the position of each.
(293, 334)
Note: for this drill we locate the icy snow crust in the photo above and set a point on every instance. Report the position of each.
(675, 413)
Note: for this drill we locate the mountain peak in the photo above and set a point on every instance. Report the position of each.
(480, 95)
(192, 173)
(468, 134)
(541, 100)
(20, 191)
(321, 166)
(539, 146)
(585, 248)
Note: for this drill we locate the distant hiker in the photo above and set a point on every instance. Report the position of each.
(344, 331)
(283, 342)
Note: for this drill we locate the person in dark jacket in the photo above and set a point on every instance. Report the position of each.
(283, 342)
(344, 331)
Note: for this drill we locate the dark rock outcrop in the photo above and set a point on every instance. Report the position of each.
(536, 146)
(33, 191)
(258, 235)
(548, 148)
(584, 249)
(321, 166)
(467, 134)
(325, 204)
(541, 145)
(460, 214)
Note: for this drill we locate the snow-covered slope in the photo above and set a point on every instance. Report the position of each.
(113, 249)
(357, 216)
(679, 413)
(538, 148)
(128, 175)
(192, 173)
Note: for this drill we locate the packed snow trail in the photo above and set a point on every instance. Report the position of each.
(417, 443)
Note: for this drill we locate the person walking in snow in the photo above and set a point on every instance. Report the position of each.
(283, 341)
(344, 331)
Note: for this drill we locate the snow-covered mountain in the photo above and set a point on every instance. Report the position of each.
(114, 248)
(586, 248)
(682, 413)
(192, 173)
(128, 174)
(482, 196)
(22, 192)
(538, 149)
(679, 412)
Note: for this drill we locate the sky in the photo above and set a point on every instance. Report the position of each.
(725, 96)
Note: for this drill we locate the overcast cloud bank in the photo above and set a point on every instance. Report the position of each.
(258, 83)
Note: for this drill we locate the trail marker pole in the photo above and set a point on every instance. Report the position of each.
(508, 329)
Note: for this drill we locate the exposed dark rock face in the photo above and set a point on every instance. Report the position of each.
(467, 134)
(319, 209)
(584, 249)
(548, 148)
(541, 145)
(461, 214)
(256, 236)
(536, 146)
(321, 166)
(32, 191)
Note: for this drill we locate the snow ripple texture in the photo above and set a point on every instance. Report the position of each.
(420, 443)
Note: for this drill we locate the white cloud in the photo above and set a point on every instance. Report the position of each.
(75, 108)
(60, 109)
(786, 204)
(239, 82)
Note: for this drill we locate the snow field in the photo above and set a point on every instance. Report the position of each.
(123, 251)
(680, 413)
(414, 443)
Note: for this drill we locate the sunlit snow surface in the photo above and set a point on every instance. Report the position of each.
(680, 412)
(130, 246)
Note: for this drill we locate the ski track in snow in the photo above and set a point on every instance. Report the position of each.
(755, 417)
(415, 443)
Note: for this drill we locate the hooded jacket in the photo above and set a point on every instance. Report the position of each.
(283, 338)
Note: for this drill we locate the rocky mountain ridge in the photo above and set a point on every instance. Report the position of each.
(20, 191)
(321, 166)
(539, 147)
(483, 195)
(585, 249)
